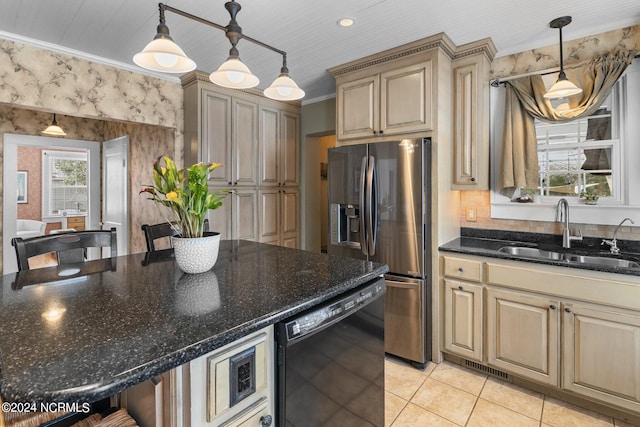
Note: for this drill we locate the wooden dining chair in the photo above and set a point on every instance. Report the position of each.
(159, 231)
(69, 247)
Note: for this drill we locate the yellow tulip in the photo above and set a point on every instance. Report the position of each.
(172, 196)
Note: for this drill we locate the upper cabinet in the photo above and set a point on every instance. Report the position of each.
(471, 115)
(258, 142)
(390, 101)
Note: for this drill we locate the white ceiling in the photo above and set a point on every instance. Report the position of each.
(112, 31)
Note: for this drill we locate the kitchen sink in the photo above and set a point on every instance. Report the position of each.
(531, 252)
(601, 260)
(569, 257)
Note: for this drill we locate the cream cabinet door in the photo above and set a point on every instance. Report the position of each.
(269, 145)
(358, 104)
(244, 145)
(237, 218)
(289, 149)
(601, 354)
(463, 319)
(216, 136)
(405, 99)
(270, 215)
(523, 334)
(466, 134)
(279, 216)
(290, 216)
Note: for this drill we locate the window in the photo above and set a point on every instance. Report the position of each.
(599, 154)
(582, 156)
(64, 182)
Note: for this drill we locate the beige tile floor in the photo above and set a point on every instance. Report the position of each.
(451, 395)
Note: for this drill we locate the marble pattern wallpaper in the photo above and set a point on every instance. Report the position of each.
(93, 102)
(574, 51)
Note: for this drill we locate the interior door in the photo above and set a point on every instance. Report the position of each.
(115, 189)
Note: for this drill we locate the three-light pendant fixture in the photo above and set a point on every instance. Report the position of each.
(164, 55)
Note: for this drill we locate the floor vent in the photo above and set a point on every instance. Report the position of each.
(486, 369)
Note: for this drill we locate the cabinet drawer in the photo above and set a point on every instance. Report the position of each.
(463, 269)
(76, 222)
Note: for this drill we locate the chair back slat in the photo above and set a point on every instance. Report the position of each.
(69, 247)
(164, 229)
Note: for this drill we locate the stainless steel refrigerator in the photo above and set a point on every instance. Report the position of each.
(379, 210)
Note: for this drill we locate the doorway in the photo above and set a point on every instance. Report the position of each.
(12, 143)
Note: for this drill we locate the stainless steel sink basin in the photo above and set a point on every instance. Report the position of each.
(600, 260)
(531, 252)
(569, 257)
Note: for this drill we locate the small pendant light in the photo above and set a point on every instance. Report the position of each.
(54, 129)
(562, 87)
(284, 88)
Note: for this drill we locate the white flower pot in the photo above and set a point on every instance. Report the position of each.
(196, 255)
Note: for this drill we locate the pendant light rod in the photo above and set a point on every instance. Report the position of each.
(559, 23)
(164, 7)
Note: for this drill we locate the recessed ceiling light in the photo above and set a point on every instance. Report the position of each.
(345, 22)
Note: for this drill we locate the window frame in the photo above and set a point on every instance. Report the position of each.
(49, 156)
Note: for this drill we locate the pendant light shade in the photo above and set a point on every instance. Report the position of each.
(234, 74)
(284, 88)
(163, 54)
(54, 129)
(563, 87)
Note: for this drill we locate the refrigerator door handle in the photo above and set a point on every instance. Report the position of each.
(371, 206)
(363, 229)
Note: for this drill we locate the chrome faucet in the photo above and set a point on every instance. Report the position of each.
(562, 214)
(613, 242)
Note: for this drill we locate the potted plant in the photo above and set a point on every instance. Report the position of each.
(590, 197)
(186, 193)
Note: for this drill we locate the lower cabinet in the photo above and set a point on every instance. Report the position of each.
(570, 331)
(233, 386)
(601, 353)
(463, 319)
(279, 218)
(523, 334)
(237, 218)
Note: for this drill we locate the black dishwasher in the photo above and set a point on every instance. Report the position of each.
(331, 362)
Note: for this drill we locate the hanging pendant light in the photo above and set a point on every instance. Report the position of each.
(284, 88)
(562, 87)
(234, 73)
(163, 54)
(54, 129)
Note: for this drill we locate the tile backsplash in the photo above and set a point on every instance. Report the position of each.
(481, 201)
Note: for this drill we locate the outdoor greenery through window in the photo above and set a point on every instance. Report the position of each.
(581, 157)
(64, 182)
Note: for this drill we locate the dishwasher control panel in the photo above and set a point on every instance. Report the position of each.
(333, 311)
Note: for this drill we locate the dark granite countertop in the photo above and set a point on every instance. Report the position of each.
(488, 242)
(83, 337)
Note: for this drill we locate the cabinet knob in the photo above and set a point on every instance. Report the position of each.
(473, 179)
(375, 132)
(229, 183)
(381, 132)
(461, 287)
(568, 309)
(266, 420)
(553, 307)
(235, 183)
(461, 270)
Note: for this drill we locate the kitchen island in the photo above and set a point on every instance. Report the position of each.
(81, 335)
